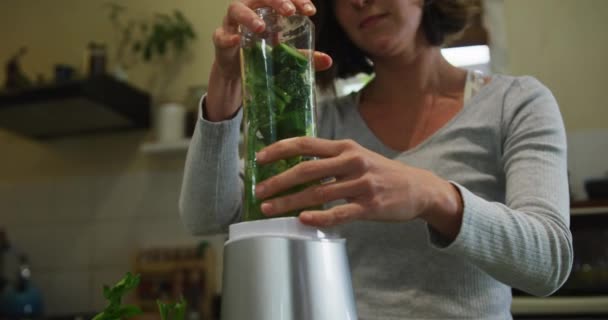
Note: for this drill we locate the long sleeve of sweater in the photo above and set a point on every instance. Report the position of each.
(211, 188)
(526, 242)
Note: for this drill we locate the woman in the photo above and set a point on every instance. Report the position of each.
(450, 186)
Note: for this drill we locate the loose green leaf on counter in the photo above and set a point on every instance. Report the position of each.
(115, 310)
(172, 311)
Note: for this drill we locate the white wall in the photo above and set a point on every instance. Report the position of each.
(564, 44)
(81, 207)
(84, 209)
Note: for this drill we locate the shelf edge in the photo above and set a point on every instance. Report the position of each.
(165, 147)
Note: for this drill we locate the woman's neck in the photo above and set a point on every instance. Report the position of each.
(414, 79)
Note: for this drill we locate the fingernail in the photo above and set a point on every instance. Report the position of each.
(258, 25)
(309, 8)
(306, 216)
(260, 156)
(266, 208)
(259, 190)
(288, 7)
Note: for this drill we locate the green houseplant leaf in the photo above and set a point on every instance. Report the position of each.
(153, 36)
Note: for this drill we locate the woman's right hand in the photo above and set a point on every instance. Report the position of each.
(224, 90)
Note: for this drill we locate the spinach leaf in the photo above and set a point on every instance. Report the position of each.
(278, 105)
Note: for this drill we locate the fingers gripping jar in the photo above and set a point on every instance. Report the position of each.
(278, 95)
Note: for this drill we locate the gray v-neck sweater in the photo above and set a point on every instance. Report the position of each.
(505, 151)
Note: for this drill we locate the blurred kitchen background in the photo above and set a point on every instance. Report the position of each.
(97, 104)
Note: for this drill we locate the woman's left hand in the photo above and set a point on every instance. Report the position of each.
(375, 187)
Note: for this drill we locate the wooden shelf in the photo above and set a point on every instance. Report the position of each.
(165, 147)
(91, 105)
(589, 211)
(592, 207)
(559, 305)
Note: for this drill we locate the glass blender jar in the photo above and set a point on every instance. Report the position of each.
(278, 95)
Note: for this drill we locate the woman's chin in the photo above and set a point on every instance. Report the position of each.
(384, 48)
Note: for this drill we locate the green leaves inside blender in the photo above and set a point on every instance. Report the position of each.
(278, 105)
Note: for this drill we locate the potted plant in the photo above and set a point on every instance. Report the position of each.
(162, 35)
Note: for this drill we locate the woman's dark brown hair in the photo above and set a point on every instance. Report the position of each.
(441, 20)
